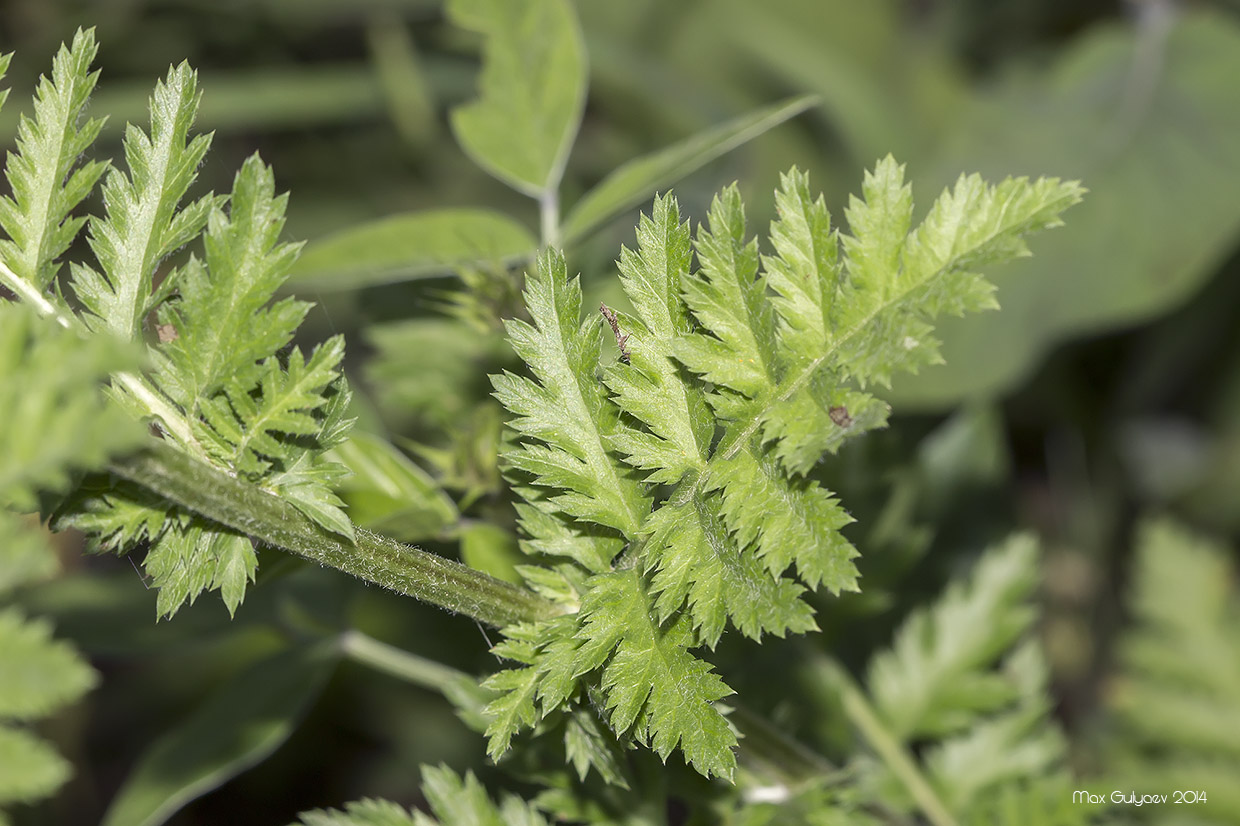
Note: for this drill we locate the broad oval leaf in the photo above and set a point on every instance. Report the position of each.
(1161, 162)
(238, 727)
(531, 90)
(410, 246)
(390, 494)
(635, 180)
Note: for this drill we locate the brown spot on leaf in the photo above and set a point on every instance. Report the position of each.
(840, 416)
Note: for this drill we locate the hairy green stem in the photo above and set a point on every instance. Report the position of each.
(200, 488)
(888, 747)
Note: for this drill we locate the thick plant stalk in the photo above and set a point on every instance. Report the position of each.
(222, 498)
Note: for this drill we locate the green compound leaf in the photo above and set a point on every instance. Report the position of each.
(698, 565)
(455, 802)
(252, 412)
(566, 409)
(411, 246)
(933, 680)
(236, 728)
(143, 221)
(870, 311)
(635, 180)
(1176, 697)
(44, 173)
(222, 325)
(40, 675)
(54, 421)
(964, 681)
(367, 812)
(655, 688)
(774, 352)
(532, 90)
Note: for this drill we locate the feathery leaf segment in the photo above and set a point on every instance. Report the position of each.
(668, 489)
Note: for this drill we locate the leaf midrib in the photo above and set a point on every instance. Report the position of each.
(732, 444)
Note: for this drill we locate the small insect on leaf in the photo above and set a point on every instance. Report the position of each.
(840, 416)
(621, 338)
(166, 333)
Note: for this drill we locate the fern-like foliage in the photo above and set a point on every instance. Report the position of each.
(144, 221)
(225, 387)
(54, 423)
(1177, 695)
(45, 174)
(455, 801)
(965, 683)
(674, 476)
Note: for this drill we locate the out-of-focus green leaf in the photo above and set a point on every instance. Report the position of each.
(238, 727)
(25, 556)
(37, 676)
(882, 89)
(531, 90)
(389, 493)
(1176, 701)
(411, 103)
(968, 448)
(276, 98)
(40, 674)
(413, 245)
(1149, 125)
(111, 615)
(29, 768)
(426, 370)
(52, 416)
(636, 180)
(492, 549)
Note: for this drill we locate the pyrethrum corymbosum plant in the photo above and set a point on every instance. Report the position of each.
(661, 460)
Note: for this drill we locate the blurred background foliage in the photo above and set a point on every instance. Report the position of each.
(1108, 387)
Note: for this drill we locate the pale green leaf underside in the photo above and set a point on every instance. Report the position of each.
(219, 389)
(143, 220)
(532, 90)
